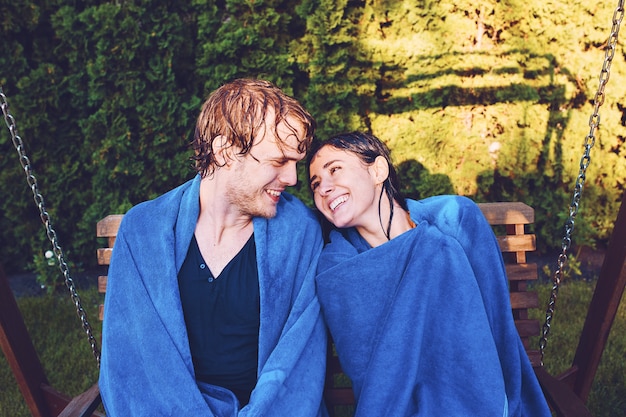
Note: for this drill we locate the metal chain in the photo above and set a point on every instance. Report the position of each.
(590, 139)
(45, 218)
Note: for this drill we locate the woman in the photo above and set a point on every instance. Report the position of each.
(415, 294)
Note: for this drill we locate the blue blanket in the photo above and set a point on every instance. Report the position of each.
(146, 367)
(422, 324)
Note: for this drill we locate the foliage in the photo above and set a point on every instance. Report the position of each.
(99, 123)
(46, 269)
(244, 38)
(490, 100)
(341, 76)
(572, 268)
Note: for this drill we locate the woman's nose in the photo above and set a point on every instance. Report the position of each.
(325, 187)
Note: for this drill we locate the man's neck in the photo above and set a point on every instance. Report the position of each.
(221, 230)
(218, 218)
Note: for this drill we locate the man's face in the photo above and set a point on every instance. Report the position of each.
(258, 178)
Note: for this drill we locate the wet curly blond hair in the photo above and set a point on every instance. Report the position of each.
(238, 111)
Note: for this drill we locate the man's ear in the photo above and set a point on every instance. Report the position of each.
(380, 169)
(222, 149)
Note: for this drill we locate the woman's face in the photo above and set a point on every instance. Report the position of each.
(345, 189)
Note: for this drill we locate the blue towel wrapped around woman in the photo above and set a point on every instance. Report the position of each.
(428, 314)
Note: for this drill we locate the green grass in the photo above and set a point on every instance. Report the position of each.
(61, 344)
(608, 393)
(71, 368)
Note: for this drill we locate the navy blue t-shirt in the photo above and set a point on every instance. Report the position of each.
(222, 315)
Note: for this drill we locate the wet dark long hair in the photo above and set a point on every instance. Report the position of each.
(367, 147)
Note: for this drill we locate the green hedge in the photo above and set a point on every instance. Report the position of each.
(489, 100)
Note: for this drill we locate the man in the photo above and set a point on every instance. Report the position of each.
(211, 306)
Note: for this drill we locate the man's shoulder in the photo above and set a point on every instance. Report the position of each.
(154, 210)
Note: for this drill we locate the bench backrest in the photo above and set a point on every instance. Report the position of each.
(515, 243)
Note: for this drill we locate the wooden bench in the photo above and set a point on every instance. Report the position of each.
(566, 393)
(515, 243)
(106, 228)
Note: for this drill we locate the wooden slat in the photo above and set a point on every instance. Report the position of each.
(561, 395)
(524, 300)
(521, 272)
(102, 284)
(507, 213)
(108, 226)
(517, 243)
(528, 328)
(58, 403)
(84, 404)
(102, 288)
(104, 256)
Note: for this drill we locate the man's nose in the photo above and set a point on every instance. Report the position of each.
(289, 174)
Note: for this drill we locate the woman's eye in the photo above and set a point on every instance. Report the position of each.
(333, 169)
(314, 185)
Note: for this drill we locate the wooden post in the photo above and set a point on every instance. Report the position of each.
(603, 307)
(41, 399)
(20, 352)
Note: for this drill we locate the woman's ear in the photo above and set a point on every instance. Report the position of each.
(380, 169)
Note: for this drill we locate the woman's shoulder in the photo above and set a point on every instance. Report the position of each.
(455, 216)
(447, 208)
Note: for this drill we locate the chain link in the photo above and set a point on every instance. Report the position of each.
(590, 139)
(45, 218)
